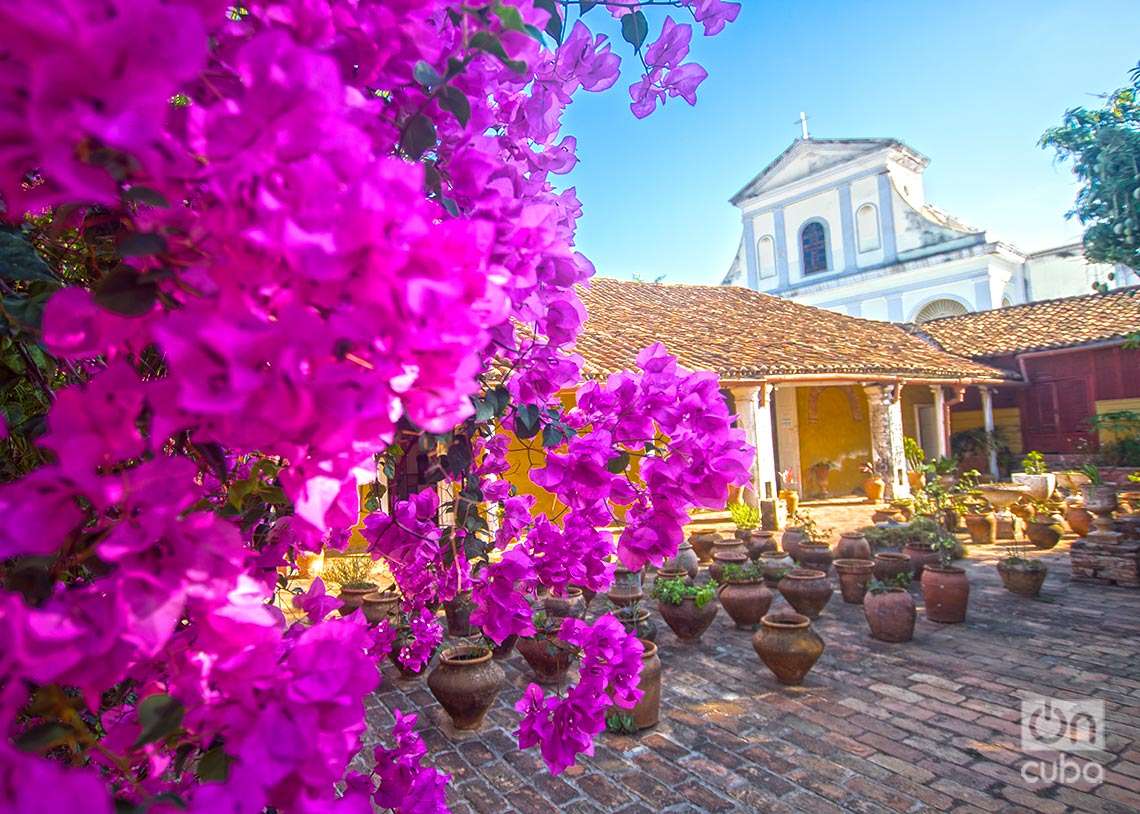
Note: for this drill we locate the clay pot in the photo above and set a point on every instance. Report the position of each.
(664, 574)
(626, 588)
(758, 542)
(873, 488)
(648, 710)
(788, 646)
(773, 564)
(951, 520)
(637, 621)
(889, 564)
(587, 594)
(702, 543)
(405, 672)
(921, 556)
(982, 528)
(791, 500)
(504, 650)
(852, 545)
(791, 540)
(728, 545)
(1044, 534)
(466, 682)
(854, 574)
(687, 620)
(458, 613)
(1079, 519)
(816, 556)
(547, 655)
(745, 602)
(904, 508)
(573, 604)
(890, 615)
(1020, 580)
(946, 593)
(723, 558)
(352, 596)
(684, 560)
(378, 606)
(806, 590)
(917, 480)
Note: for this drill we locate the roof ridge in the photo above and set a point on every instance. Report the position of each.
(1036, 304)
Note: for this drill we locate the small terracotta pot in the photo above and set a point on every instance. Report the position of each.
(702, 543)
(788, 646)
(466, 682)
(648, 710)
(1044, 534)
(378, 606)
(854, 574)
(745, 602)
(458, 613)
(791, 540)
(816, 556)
(728, 545)
(759, 542)
(1079, 519)
(873, 488)
(852, 545)
(504, 650)
(637, 621)
(921, 556)
(889, 564)
(723, 558)
(890, 615)
(773, 564)
(806, 590)
(946, 593)
(917, 480)
(791, 500)
(686, 620)
(547, 655)
(572, 604)
(684, 560)
(1020, 580)
(626, 588)
(982, 528)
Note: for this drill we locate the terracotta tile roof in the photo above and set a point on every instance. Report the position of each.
(741, 334)
(1038, 325)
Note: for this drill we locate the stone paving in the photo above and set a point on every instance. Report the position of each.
(932, 725)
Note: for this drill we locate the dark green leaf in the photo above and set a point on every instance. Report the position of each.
(619, 464)
(141, 244)
(124, 292)
(214, 765)
(148, 196)
(42, 737)
(552, 435)
(426, 75)
(510, 17)
(634, 29)
(419, 136)
(585, 5)
(19, 260)
(159, 716)
(454, 101)
(485, 41)
(527, 421)
(554, 25)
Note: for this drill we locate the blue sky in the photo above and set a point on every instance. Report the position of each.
(971, 84)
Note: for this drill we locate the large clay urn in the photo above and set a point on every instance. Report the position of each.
(684, 560)
(723, 558)
(890, 615)
(378, 606)
(1044, 533)
(745, 601)
(571, 603)
(774, 564)
(982, 528)
(793, 537)
(921, 555)
(806, 590)
(547, 655)
(648, 710)
(758, 542)
(854, 574)
(458, 613)
(466, 682)
(946, 593)
(1079, 519)
(788, 646)
(702, 543)
(816, 556)
(687, 620)
(852, 545)
(889, 564)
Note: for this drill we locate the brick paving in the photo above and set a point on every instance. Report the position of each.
(932, 725)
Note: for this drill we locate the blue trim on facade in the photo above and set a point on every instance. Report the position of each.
(982, 294)
(894, 309)
(902, 289)
(751, 261)
(887, 219)
(780, 232)
(847, 225)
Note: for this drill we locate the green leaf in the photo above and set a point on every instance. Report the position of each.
(141, 244)
(125, 292)
(554, 24)
(419, 136)
(510, 17)
(159, 716)
(426, 75)
(618, 465)
(455, 102)
(43, 737)
(585, 5)
(214, 765)
(634, 29)
(489, 43)
(19, 259)
(527, 421)
(552, 435)
(146, 195)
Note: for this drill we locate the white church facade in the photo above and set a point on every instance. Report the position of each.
(843, 224)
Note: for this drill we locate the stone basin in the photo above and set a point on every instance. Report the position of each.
(1003, 495)
(1071, 480)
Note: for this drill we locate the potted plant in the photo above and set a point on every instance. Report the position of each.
(687, 609)
(1036, 476)
(353, 573)
(746, 519)
(889, 564)
(774, 564)
(806, 590)
(889, 610)
(1021, 575)
(380, 605)
(945, 588)
(821, 473)
(943, 469)
(1100, 497)
(814, 551)
(854, 574)
(787, 645)
(626, 588)
(915, 463)
(636, 619)
(743, 596)
(548, 656)
(873, 486)
(788, 493)
(1044, 529)
(466, 682)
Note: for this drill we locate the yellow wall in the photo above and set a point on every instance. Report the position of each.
(1007, 420)
(1112, 406)
(834, 429)
(910, 397)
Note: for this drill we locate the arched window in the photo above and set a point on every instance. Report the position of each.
(867, 227)
(766, 256)
(813, 247)
(937, 309)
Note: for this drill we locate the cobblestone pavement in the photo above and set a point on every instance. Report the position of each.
(932, 725)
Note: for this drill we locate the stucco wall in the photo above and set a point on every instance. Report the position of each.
(833, 426)
(823, 206)
(1007, 420)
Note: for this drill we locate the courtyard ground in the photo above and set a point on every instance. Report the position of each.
(931, 725)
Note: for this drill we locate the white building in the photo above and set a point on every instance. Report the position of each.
(844, 224)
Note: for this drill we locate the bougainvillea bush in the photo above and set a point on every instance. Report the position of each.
(255, 255)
